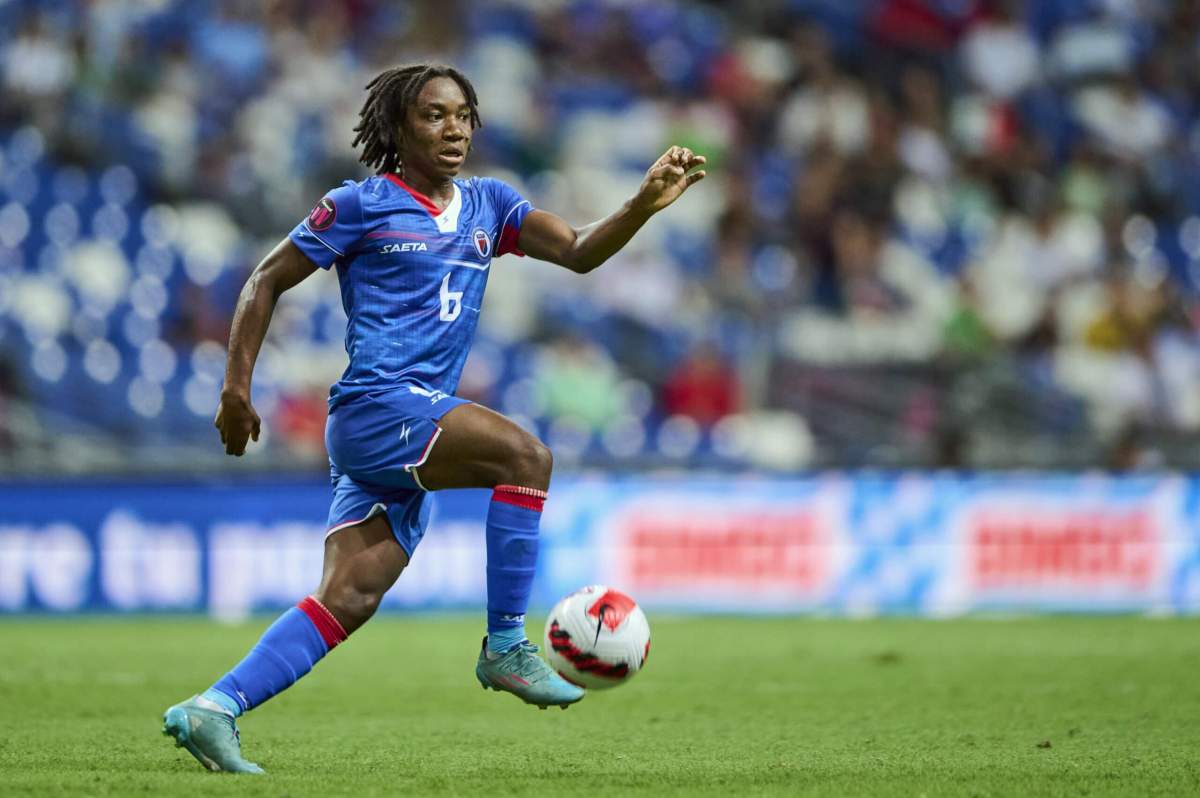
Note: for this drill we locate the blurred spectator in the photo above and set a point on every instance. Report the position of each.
(578, 382)
(1000, 54)
(10, 391)
(1030, 258)
(703, 387)
(857, 244)
(922, 146)
(1124, 118)
(829, 108)
(37, 64)
(1126, 322)
(300, 422)
(919, 26)
(966, 336)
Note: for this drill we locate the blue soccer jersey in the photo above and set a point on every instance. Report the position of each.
(412, 278)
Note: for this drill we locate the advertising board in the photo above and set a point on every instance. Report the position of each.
(932, 544)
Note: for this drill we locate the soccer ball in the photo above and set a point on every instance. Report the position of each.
(597, 637)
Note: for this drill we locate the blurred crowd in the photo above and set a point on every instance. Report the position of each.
(935, 232)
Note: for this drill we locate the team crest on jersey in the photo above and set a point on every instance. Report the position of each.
(482, 242)
(322, 216)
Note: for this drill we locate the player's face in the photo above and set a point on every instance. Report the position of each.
(439, 130)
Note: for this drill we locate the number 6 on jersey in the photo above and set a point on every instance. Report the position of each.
(451, 301)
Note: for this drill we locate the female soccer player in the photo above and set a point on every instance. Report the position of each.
(412, 246)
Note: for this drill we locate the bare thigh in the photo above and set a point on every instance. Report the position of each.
(480, 448)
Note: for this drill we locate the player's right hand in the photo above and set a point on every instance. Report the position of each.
(236, 421)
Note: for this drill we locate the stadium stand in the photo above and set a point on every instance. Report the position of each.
(959, 234)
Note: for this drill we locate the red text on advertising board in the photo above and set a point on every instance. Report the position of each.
(756, 549)
(1064, 548)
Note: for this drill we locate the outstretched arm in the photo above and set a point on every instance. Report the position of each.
(546, 236)
(282, 269)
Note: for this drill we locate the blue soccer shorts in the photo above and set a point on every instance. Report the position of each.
(375, 443)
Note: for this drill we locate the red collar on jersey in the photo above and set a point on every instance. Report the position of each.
(424, 201)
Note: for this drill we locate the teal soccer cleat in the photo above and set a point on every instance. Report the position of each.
(209, 735)
(527, 676)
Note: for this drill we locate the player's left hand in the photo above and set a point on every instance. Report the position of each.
(668, 178)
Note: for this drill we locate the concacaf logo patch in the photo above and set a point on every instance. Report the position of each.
(322, 216)
(482, 241)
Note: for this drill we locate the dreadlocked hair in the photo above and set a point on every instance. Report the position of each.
(389, 96)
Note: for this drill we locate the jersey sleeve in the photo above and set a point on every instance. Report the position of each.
(511, 210)
(334, 226)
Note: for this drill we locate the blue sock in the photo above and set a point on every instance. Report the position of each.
(287, 650)
(512, 549)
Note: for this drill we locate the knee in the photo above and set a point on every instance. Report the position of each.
(531, 463)
(353, 605)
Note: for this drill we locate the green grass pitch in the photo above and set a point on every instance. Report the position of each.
(726, 706)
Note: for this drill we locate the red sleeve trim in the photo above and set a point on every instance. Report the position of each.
(331, 631)
(509, 238)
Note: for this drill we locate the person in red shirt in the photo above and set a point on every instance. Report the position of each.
(703, 387)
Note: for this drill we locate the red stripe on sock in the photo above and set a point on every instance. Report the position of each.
(529, 498)
(331, 631)
(521, 490)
